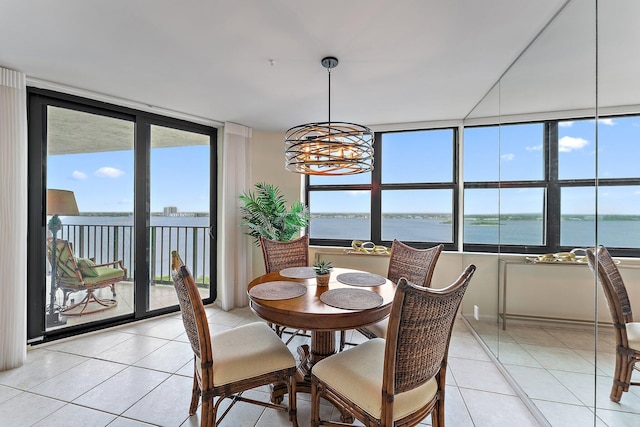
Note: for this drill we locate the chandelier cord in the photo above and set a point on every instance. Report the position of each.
(329, 71)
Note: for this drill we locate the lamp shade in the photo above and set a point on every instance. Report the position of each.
(329, 148)
(61, 202)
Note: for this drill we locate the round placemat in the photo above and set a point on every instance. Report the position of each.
(278, 290)
(351, 299)
(361, 279)
(298, 272)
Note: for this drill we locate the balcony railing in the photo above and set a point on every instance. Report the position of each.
(105, 243)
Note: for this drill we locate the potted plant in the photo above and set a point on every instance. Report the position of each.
(323, 272)
(265, 214)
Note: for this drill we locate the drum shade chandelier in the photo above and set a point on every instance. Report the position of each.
(329, 148)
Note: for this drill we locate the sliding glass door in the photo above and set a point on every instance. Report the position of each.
(112, 192)
(179, 217)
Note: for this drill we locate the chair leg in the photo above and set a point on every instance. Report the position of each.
(113, 290)
(621, 377)
(195, 396)
(315, 403)
(437, 415)
(293, 411)
(208, 413)
(90, 297)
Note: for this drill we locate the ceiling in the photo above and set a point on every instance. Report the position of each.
(257, 63)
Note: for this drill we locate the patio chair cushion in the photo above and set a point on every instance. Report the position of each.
(359, 378)
(104, 273)
(87, 267)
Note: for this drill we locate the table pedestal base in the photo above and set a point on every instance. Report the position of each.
(323, 344)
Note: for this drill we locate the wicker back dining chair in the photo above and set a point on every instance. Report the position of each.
(415, 265)
(401, 379)
(230, 362)
(280, 255)
(626, 331)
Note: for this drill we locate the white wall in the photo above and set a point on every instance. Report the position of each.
(267, 165)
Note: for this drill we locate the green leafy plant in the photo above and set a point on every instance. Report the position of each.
(264, 213)
(322, 266)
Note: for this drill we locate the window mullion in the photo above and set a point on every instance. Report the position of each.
(553, 189)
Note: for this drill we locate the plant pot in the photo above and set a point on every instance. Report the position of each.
(323, 279)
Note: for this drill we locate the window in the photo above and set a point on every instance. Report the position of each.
(505, 186)
(527, 188)
(410, 195)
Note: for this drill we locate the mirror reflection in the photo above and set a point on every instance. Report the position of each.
(561, 128)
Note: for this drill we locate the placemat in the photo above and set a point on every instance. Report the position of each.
(361, 279)
(278, 290)
(298, 272)
(351, 299)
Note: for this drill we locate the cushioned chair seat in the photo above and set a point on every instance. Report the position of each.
(379, 328)
(239, 354)
(359, 378)
(633, 335)
(230, 362)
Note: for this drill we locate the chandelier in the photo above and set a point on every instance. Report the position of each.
(329, 148)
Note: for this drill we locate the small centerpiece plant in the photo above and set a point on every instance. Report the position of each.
(323, 272)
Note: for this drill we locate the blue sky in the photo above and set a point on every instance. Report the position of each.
(503, 153)
(103, 182)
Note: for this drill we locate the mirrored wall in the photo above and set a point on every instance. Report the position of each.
(562, 126)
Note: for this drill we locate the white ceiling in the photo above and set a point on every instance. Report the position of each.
(257, 63)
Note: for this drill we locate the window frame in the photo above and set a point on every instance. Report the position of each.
(376, 187)
(551, 184)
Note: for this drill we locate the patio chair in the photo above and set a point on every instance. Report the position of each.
(230, 362)
(415, 265)
(626, 331)
(82, 274)
(401, 379)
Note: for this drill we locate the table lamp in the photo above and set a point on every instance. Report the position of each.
(59, 202)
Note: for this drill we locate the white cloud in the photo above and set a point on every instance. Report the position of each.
(78, 175)
(534, 148)
(357, 193)
(109, 172)
(565, 124)
(569, 143)
(125, 201)
(608, 122)
(508, 157)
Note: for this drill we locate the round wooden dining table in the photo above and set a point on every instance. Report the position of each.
(309, 313)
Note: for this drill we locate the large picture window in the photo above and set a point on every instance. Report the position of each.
(526, 188)
(410, 195)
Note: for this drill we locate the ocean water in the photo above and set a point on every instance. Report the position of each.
(622, 233)
(108, 238)
(189, 235)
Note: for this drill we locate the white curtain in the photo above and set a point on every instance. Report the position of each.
(13, 219)
(235, 246)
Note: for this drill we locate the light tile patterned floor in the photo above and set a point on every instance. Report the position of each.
(141, 374)
(556, 366)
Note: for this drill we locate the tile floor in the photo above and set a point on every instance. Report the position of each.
(559, 370)
(141, 374)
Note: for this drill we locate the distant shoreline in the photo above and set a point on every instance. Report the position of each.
(480, 219)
